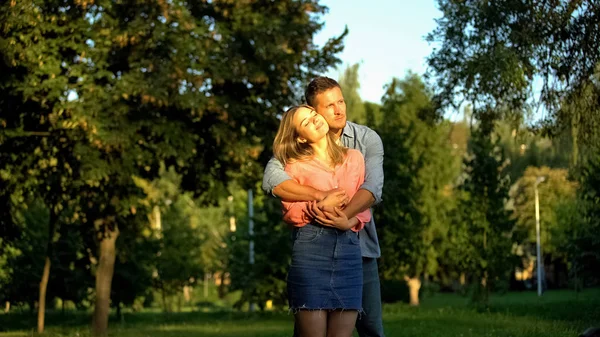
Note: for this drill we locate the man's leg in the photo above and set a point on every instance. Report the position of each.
(370, 322)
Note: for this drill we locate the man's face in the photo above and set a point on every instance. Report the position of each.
(331, 105)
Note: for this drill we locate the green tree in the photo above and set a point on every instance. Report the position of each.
(23, 255)
(493, 54)
(265, 279)
(355, 108)
(414, 218)
(524, 148)
(555, 190)
(584, 238)
(128, 85)
(134, 266)
(217, 223)
(373, 117)
(482, 231)
(70, 278)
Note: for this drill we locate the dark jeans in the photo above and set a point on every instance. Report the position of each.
(370, 322)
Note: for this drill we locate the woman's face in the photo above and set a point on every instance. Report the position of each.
(310, 126)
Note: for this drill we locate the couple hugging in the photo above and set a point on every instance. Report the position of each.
(328, 173)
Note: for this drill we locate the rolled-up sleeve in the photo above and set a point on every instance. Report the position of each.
(373, 153)
(274, 175)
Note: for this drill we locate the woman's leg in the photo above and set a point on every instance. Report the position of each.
(311, 323)
(341, 323)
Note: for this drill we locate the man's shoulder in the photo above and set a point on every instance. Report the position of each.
(362, 132)
(360, 129)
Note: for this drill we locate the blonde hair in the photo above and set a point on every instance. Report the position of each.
(287, 148)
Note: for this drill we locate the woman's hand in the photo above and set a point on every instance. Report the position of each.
(339, 220)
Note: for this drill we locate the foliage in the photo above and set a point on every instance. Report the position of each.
(355, 108)
(584, 233)
(556, 190)
(524, 148)
(265, 279)
(494, 53)
(481, 232)
(373, 117)
(25, 261)
(102, 91)
(413, 217)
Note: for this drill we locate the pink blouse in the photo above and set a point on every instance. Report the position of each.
(349, 176)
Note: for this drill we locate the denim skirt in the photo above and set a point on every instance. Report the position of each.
(326, 269)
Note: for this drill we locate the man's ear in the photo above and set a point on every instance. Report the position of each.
(301, 140)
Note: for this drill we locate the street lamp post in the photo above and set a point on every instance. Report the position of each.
(251, 233)
(537, 234)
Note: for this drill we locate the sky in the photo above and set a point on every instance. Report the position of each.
(386, 37)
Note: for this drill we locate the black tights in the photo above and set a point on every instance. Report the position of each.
(323, 323)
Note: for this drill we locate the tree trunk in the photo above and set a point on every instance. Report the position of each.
(187, 294)
(6, 307)
(485, 288)
(164, 299)
(179, 302)
(414, 285)
(104, 275)
(46, 274)
(574, 137)
(119, 312)
(42, 296)
(205, 285)
(221, 288)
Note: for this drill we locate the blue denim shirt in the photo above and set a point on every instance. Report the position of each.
(369, 143)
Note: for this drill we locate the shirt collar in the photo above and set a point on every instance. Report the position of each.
(347, 131)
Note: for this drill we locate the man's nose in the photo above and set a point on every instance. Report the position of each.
(337, 109)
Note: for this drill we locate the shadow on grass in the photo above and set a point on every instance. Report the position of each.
(557, 313)
(452, 325)
(28, 321)
(555, 305)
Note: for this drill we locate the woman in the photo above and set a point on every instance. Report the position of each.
(325, 276)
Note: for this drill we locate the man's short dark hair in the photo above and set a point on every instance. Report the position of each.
(318, 85)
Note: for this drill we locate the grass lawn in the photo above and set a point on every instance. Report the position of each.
(557, 313)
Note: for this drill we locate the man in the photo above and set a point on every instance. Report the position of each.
(325, 95)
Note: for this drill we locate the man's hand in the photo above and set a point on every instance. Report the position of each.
(332, 217)
(338, 219)
(329, 199)
(315, 212)
(361, 201)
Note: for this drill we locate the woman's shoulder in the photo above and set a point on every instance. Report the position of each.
(353, 154)
(298, 165)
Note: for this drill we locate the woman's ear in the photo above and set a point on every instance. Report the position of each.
(301, 140)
